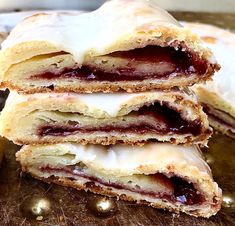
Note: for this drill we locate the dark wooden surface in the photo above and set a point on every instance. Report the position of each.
(223, 20)
(71, 207)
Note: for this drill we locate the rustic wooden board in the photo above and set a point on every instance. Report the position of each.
(71, 207)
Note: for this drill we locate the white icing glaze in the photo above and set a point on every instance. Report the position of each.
(128, 158)
(223, 83)
(109, 103)
(9, 20)
(82, 33)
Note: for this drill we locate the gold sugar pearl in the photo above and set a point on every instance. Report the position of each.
(228, 200)
(102, 206)
(209, 158)
(35, 207)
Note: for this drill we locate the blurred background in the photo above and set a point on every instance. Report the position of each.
(172, 5)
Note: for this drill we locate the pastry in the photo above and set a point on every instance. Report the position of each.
(124, 45)
(218, 96)
(161, 175)
(173, 116)
(9, 20)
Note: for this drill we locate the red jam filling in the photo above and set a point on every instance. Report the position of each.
(183, 191)
(167, 121)
(167, 60)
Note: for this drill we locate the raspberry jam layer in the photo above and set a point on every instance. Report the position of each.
(166, 61)
(166, 121)
(182, 191)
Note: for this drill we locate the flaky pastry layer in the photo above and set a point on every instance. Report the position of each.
(220, 120)
(219, 93)
(101, 46)
(171, 116)
(149, 174)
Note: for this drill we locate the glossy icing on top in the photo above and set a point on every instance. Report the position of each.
(84, 33)
(9, 20)
(126, 159)
(110, 103)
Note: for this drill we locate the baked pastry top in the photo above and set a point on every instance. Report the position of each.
(9, 20)
(124, 45)
(218, 95)
(162, 175)
(172, 115)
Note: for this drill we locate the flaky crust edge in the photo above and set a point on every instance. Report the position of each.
(102, 191)
(109, 87)
(203, 180)
(29, 49)
(7, 118)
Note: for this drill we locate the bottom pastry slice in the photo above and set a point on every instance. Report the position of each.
(157, 174)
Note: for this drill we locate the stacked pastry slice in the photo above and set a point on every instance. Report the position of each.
(157, 174)
(173, 116)
(218, 96)
(116, 142)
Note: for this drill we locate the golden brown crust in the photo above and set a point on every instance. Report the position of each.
(110, 87)
(97, 190)
(137, 140)
(172, 160)
(104, 191)
(217, 102)
(230, 134)
(23, 115)
(220, 127)
(214, 99)
(156, 27)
